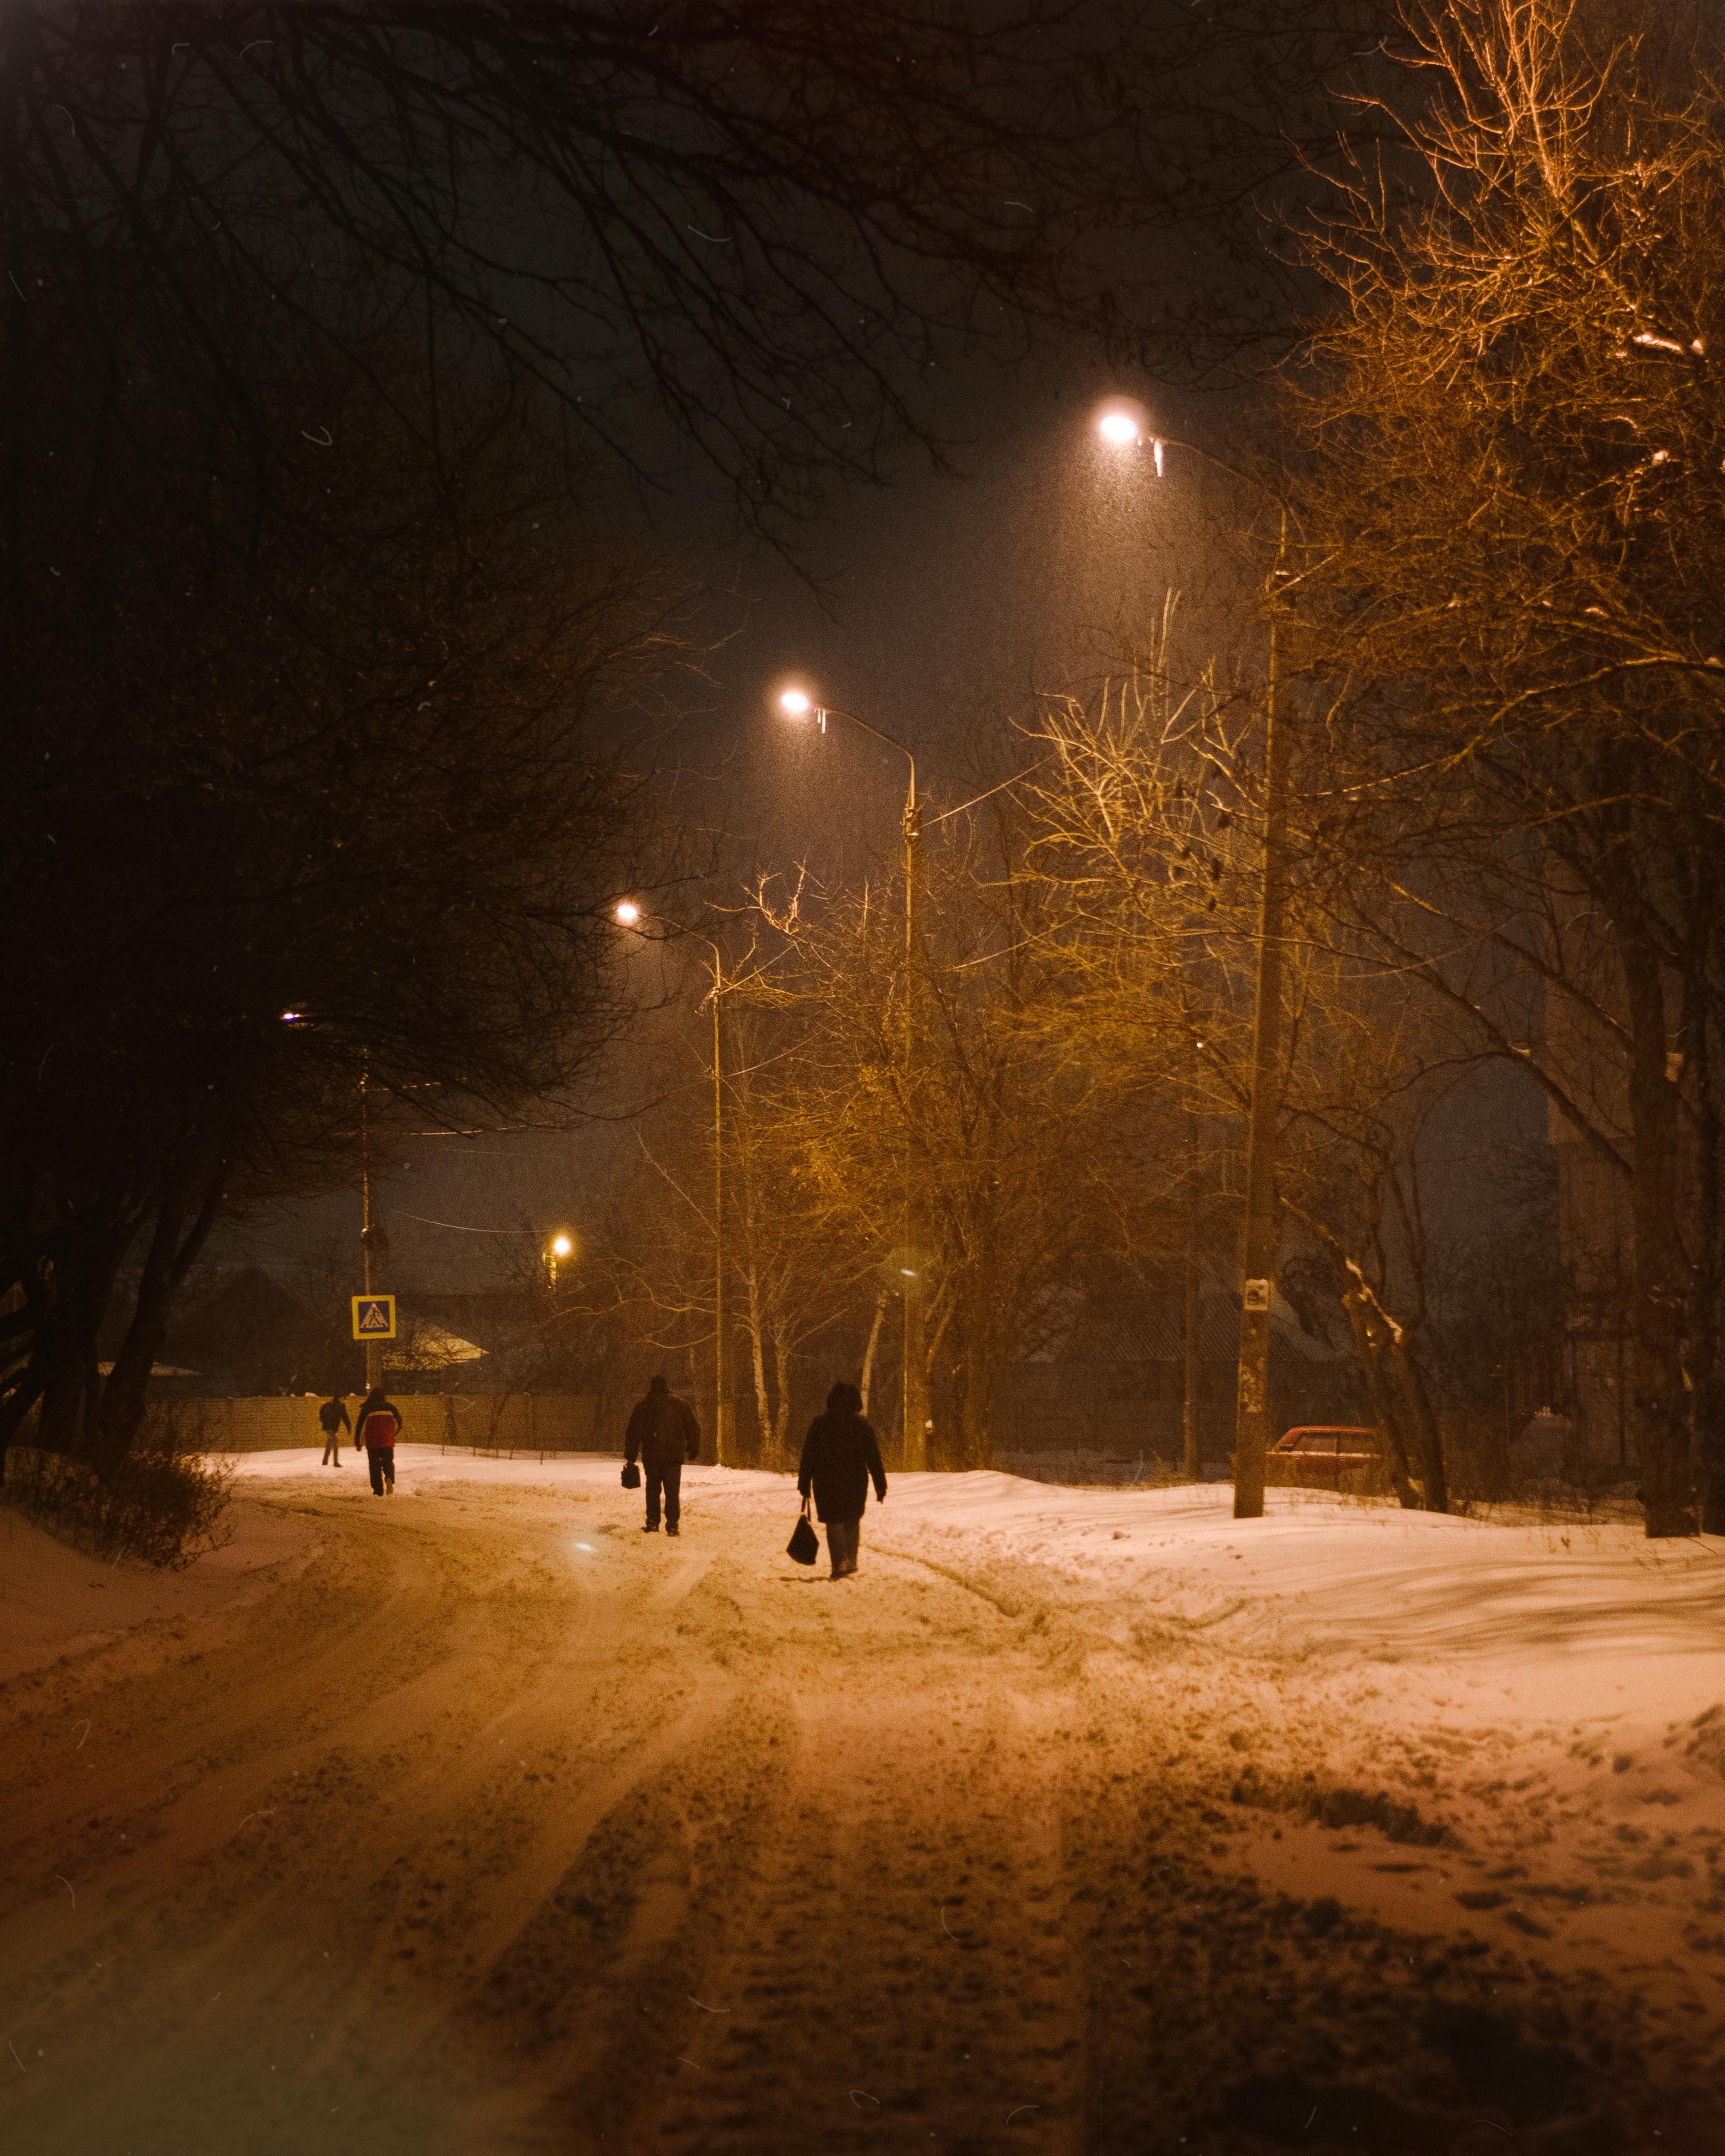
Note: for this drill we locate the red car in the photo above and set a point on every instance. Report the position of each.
(1328, 1454)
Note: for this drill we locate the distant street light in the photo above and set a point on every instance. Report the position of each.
(628, 915)
(559, 1249)
(1117, 427)
(797, 703)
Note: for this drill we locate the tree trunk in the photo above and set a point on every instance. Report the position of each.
(1388, 1335)
(1369, 1347)
(757, 1359)
(1434, 1476)
(967, 1441)
(83, 1264)
(170, 1257)
(1192, 1466)
(1660, 1411)
(782, 1405)
(1705, 1376)
(981, 1384)
(33, 1276)
(868, 1361)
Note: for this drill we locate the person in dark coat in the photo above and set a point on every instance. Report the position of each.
(662, 1434)
(332, 1420)
(377, 1426)
(840, 1457)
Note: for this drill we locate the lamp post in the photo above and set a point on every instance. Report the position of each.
(1120, 425)
(1251, 1426)
(628, 914)
(797, 703)
(558, 1249)
(367, 1230)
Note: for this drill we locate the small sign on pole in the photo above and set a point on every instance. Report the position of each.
(1257, 1295)
(374, 1317)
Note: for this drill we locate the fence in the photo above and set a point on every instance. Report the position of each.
(503, 1424)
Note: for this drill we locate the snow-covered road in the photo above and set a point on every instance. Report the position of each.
(1080, 1820)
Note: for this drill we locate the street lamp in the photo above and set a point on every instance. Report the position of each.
(1117, 424)
(559, 1249)
(1121, 423)
(628, 915)
(368, 1218)
(796, 703)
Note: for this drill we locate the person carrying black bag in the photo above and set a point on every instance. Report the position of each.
(662, 1434)
(841, 1456)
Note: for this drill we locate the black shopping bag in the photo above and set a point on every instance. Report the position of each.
(804, 1546)
(631, 1476)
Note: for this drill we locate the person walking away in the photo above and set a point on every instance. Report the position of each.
(841, 1456)
(662, 1434)
(377, 1426)
(332, 1416)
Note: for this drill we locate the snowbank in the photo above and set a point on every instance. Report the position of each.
(56, 1600)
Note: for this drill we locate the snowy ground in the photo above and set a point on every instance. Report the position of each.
(1081, 1819)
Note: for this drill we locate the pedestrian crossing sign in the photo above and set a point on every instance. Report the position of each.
(374, 1317)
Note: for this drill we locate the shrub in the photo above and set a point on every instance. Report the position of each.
(162, 1508)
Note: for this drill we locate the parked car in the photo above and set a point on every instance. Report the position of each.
(1327, 1456)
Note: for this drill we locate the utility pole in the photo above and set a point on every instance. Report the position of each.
(629, 913)
(1120, 425)
(916, 1394)
(1192, 1346)
(797, 703)
(368, 1232)
(1251, 1426)
(724, 1411)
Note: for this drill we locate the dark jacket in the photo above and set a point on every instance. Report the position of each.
(662, 1431)
(333, 1416)
(840, 1457)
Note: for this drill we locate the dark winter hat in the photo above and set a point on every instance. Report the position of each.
(844, 1399)
(659, 1385)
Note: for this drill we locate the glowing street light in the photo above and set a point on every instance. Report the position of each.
(628, 914)
(1123, 425)
(560, 1248)
(797, 703)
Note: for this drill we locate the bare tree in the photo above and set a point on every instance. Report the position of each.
(1511, 438)
(976, 1163)
(281, 813)
(1146, 823)
(745, 234)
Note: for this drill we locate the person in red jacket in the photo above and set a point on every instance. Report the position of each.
(375, 1427)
